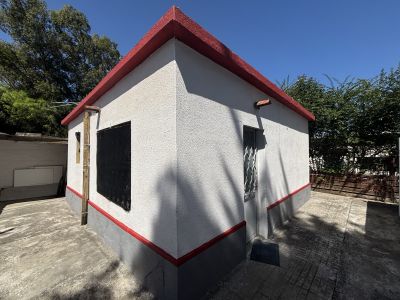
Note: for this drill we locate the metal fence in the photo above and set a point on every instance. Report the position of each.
(374, 187)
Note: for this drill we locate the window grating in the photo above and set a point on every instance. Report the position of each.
(78, 147)
(114, 164)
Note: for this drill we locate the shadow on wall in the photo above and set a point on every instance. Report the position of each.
(208, 79)
(189, 185)
(206, 82)
(190, 191)
(283, 212)
(194, 220)
(286, 210)
(143, 71)
(190, 188)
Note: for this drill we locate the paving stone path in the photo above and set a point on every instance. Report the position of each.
(335, 248)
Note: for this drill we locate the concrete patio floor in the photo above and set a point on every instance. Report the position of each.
(335, 248)
(46, 254)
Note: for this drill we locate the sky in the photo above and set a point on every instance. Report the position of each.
(280, 38)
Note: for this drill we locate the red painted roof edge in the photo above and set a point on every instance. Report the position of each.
(161, 32)
(176, 24)
(193, 35)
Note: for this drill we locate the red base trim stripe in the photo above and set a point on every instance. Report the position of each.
(175, 261)
(75, 192)
(276, 203)
(205, 246)
(133, 233)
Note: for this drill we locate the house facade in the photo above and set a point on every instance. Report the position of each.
(185, 169)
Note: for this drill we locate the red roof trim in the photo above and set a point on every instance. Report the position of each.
(176, 24)
(175, 261)
(160, 33)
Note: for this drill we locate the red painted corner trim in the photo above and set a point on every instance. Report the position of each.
(175, 24)
(136, 235)
(133, 233)
(160, 33)
(175, 261)
(205, 246)
(276, 203)
(75, 192)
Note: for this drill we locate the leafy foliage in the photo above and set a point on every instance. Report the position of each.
(52, 55)
(17, 110)
(357, 121)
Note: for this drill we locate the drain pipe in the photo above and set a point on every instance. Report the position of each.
(86, 161)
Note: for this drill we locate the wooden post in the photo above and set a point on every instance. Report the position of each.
(86, 162)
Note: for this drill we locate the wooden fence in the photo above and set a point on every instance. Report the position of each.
(373, 187)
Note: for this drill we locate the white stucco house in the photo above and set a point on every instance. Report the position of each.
(185, 169)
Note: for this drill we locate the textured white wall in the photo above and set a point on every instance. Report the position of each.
(213, 105)
(187, 115)
(146, 97)
(20, 155)
(74, 171)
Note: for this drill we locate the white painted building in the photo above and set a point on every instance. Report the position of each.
(171, 149)
(31, 166)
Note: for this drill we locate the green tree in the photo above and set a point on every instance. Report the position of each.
(18, 111)
(52, 55)
(357, 121)
(329, 131)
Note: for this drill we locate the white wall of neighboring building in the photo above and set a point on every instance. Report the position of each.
(213, 105)
(23, 155)
(30, 169)
(146, 97)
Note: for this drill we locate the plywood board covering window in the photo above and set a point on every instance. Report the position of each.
(113, 162)
(78, 147)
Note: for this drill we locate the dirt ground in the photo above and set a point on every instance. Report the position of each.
(335, 248)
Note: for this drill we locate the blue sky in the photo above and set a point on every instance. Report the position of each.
(279, 38)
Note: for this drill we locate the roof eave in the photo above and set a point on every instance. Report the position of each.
(175, 24)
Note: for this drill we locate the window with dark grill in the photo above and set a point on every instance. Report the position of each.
(114, 164)
(78, 147)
